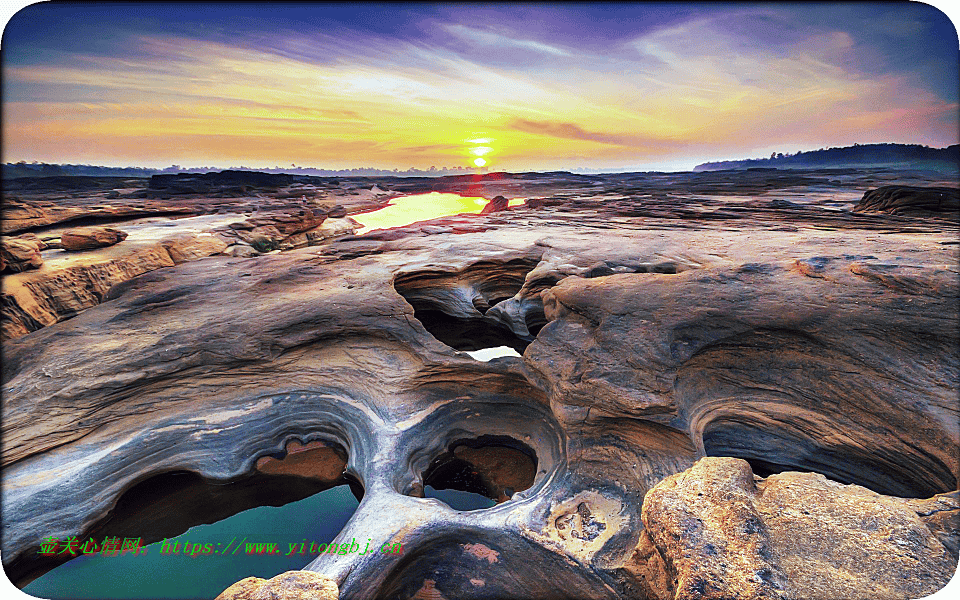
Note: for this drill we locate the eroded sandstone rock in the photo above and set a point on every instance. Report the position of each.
(21, 253)
(292, 585)
(721, 532)
(499, 203)
(91, 237)
(911, 201)
(185, 248)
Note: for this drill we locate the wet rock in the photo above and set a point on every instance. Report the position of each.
(91, 237)
(292, 585)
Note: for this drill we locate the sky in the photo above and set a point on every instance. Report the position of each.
(521, 87)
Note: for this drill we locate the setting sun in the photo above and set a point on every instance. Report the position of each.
(479, 162)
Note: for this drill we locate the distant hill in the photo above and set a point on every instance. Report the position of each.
(901, 156)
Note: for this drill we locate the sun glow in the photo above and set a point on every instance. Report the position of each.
(479, 162)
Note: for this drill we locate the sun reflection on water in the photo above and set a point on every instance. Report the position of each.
(421, 207)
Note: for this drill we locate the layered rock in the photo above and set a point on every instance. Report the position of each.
(911, 201)
(184, 248)
(281, 230)
(40, 298)
(21, 214)
(21, 253)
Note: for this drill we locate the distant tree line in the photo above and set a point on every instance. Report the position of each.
(35, 169)
(896, 155)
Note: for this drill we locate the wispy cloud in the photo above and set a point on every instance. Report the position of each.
(572, 131)
(718, 82)
(500, 40)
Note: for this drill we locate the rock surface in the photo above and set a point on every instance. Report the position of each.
(21, 253)
(91, 237)
(292, 585)
(721, 532)
(811, 342)
(915, 201)
(185, 248)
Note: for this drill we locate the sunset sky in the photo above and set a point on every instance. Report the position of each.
(524, 87)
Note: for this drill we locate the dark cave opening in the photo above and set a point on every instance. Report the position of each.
(456, 307)
(491, 467)
(884, 471)
(167, 505)
(468, 334)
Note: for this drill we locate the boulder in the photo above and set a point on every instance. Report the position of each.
(331, 228)
(241, 251)
(21, 253)
(188, 247)
(722, 532)
(499, 203)
(292, 585)
(91, 237)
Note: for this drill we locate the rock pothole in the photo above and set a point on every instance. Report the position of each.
(492, 467)
(467, 309)
(169, 504)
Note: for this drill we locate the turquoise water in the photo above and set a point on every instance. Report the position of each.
(158, 575)
(459, 500)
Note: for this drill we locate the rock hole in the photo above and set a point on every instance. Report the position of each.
(772, 452)
(457, 307)
(469, 333)
(299, 495)
(481, 472)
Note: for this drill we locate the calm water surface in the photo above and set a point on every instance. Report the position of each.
(421, 207)
(153, 575)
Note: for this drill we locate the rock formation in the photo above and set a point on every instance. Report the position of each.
(292, 585)
(811, 356)
(21, 253)
(914, 201)
(499, 203)
(717, 531)
(91, 237)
